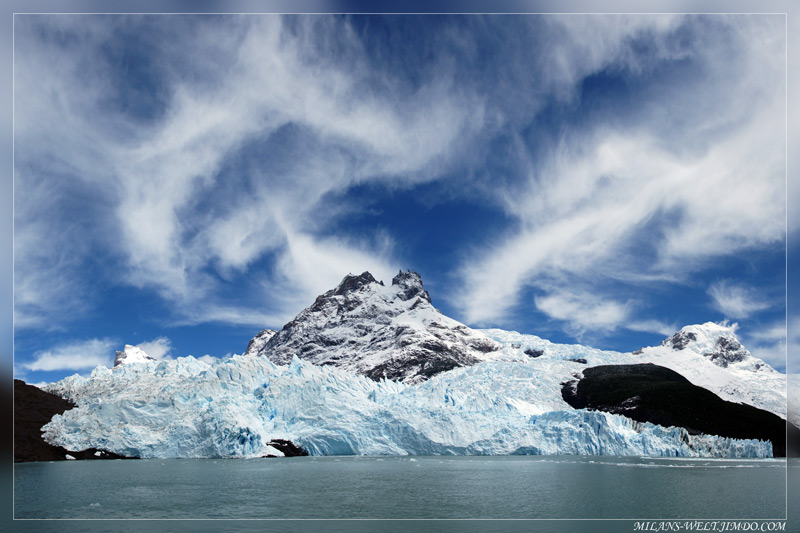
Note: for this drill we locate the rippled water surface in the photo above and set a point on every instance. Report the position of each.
(403, 487)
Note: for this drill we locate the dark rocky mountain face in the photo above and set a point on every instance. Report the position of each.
(33, 408)
(727, 351)
(389, 332)
(652, 393)
(679, 340)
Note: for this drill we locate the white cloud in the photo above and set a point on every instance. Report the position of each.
(773, 351)
(583, 213)
(46, 269)
(652, 326)
(580, 45)
(773, 332)
(78, 355)
(158, 348)
(583, 311)
(693, 177)
(707, 157)
(736, 301)
(311, 266)
(208, 359)
(269, 86)
(154, 175)
(193, 315)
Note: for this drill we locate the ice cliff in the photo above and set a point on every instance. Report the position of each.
(186, 408)
(376, 369)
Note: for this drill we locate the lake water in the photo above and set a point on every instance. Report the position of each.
(403, 487)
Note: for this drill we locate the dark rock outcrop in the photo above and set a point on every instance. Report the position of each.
(530, 352)
(651, 393)
(352, 283)
(727, 351)
(410, 285)
(680, 340)
(33, 408)
(287, 447)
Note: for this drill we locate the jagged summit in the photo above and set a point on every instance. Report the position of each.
(352, 283)
(131, 354)
(410, 284)
(389, 332)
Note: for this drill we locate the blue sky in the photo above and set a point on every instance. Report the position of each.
(182, 182)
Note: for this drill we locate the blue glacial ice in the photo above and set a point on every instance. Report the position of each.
(233, 408)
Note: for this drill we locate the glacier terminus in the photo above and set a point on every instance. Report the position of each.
(375, 369)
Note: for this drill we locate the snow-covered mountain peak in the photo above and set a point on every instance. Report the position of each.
(700, 334)
(717, 342)
(409, 285)
(131, 354)
(261, 338)
(383, 332)
(352, 283)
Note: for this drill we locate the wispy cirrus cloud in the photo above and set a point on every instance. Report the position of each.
(208, 359)
(217, 171)
(583, 311)
(658, 189)
(771, 343)
(736, 301)
(208, 160)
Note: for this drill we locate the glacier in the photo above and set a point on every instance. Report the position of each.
(374, 369)
(233, 408)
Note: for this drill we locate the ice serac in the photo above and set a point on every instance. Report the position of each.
(131, 354)
(381, 332)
